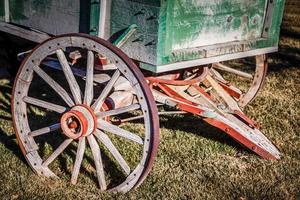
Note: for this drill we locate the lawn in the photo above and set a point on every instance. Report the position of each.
(195, 161)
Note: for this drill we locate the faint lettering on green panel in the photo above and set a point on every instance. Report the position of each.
(201, 23)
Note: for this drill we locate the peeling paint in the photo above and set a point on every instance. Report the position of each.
(200, 23)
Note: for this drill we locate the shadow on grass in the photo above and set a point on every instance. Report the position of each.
(288, 32)
(9, 141)
(195, 125)
(287, 57)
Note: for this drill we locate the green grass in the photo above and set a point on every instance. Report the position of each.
(195, 161)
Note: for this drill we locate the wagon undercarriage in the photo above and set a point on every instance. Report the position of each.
(95, 87)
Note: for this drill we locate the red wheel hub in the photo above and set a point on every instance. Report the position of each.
(80, 121)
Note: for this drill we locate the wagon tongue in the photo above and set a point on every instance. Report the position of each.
(245, 133)
(227, 116)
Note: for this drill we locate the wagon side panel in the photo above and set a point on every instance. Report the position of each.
(142, 45)
(201, 32)
(50, 16)
(202, 23)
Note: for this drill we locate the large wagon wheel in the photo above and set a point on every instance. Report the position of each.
(57, 113)
(246, 77)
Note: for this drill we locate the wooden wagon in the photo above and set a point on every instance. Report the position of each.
(101, 63)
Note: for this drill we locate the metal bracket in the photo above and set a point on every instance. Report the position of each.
(268, 18)
(125, 36)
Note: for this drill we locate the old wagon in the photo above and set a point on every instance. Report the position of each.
(101, 63)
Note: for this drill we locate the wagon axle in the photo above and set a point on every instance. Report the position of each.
(80, 121)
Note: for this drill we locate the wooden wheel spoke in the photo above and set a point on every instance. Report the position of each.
(55, 64)
(217, 75)
(78, 161)
(89, 93)
(98, 103)
(57, 152)
(113, 150)
(98, 161)
(74, 87)
(44, 104)
(106, 126)
(232, 104)
(233, 71)
(118, 111)
(55, 86)
(45, 130)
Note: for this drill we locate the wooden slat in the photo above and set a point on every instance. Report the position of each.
(74, 87)
(78, 161)
(223, 94)
(45, 130)
(44, 104)
(31, 35)
(231, 70)
(118, 111)
(57, 152)
(89, 93)
(98, 103)
(54, 85)
(106, 126)
(98, 161)
(113, 150)
(217, 74)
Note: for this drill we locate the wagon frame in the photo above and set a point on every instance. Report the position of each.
(191, 80)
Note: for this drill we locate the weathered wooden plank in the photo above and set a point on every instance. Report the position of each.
(44, 104)
(74, 87)
(45, 130)
(57, 152)
(98, 103)
(232, 104)
(98, 162)
(223, 67)
(104, 125)
(118, 111)
(31, 35)
(78, 161)
(55, 86)
(113, 150)
(89, 90)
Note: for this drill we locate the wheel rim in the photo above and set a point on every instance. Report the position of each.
(81, 118)
(253, 77)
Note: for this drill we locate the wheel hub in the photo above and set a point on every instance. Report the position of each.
(80, 121)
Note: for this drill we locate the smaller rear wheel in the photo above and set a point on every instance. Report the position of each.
(242, 78)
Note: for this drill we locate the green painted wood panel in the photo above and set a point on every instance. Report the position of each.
(51, 16)
(142, 45)
(148, 2)
(235, 27)
(94, 16)
(200, 23)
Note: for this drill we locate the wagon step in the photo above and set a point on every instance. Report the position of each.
(234, 122)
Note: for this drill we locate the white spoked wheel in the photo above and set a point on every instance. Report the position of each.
(63, 109)
(242, 78)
